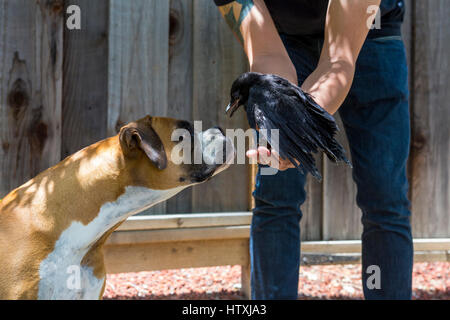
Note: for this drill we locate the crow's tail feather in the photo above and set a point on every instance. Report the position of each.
(327, 128)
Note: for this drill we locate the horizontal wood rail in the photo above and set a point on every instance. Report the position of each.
(177, 221)
(146, 243)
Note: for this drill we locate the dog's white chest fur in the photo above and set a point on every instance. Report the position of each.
(61, 274)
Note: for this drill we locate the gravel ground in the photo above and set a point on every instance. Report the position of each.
(430, 281)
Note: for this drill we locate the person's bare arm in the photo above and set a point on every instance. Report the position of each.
(346, 27)
(252, 24)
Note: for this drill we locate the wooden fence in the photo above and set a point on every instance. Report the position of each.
(61, 90)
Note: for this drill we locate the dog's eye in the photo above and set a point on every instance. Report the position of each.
(186, 125)
(186, 135)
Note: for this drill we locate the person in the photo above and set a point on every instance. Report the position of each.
(352, 61)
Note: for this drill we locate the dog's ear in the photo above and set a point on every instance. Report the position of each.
(145, 139)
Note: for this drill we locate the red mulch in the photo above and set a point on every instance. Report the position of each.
(430, 281)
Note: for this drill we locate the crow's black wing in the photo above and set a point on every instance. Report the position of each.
(311, 122)
(323, 126)
(303, 126)
(290, 143)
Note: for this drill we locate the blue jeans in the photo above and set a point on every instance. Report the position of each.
(376, 120)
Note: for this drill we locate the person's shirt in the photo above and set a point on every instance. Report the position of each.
(307, 17)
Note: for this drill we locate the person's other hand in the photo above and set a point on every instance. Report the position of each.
(265, 156)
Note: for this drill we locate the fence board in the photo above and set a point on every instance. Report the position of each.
(431, 113)
(180, 81)
(407, 30)
(341, 216)
(218, 59)
(312, 209)
(31, 85)
(85, 98)
(138, 63)
(175, 255)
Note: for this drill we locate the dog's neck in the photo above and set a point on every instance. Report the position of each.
(96, 188)
(102, 167)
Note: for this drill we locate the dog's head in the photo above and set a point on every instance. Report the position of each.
(165, 153)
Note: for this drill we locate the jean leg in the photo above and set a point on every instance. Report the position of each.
(376, 120)
(275, 235)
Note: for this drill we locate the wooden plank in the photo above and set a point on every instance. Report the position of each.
(407, 29)
(217, 60)
(408, 39)
(180, 82)
(431, 244)
(31, 49)
(175, 255)
(192, 254)
(85, 92)
(310, 259)
(190, 220)
(430, 154)
(312, 220)
(138, 64)
(185, 234)
(354, 246)
(331, 247)
(341, 216)
(246, 288)
(205, 253)
(253, 171)
(431, 256)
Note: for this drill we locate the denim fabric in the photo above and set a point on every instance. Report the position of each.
(376, 120)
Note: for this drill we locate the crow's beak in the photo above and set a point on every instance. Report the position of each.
(233, 107)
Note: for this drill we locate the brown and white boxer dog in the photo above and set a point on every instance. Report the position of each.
(62, 217)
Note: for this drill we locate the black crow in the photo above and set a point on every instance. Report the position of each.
(272, 102)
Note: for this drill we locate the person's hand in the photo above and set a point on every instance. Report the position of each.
(268, 157)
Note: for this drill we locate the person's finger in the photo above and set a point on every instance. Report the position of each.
(264, 155)
(260, 155)
(252, 154)
(257, 155)
(276, 160)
